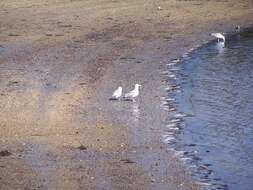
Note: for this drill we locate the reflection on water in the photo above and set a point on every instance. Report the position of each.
(220, 47)
(217, 91)
(135, 112)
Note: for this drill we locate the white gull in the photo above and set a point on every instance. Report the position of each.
(134, 93)
(219, 36)
(117, 93)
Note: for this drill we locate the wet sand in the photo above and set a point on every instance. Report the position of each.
(60, 61)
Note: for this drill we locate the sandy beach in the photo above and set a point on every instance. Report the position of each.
(61, 60)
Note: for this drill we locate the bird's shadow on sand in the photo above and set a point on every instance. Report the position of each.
(113, 99)
(121, 99)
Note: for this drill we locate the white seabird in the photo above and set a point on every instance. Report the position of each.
(219, 36)
(117, 93)
(134, 93)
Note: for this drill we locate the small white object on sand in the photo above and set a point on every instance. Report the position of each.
(159, 8)
(219, 36)
(134, 93)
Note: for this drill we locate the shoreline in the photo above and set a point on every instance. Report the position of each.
(182, 153)
(81, 137)
(169, 106)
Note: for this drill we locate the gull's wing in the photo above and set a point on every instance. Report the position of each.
(217, 35)
(129, 94)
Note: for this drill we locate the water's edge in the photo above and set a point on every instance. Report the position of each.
(175, 121)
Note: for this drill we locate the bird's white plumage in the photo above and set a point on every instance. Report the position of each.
(134, 93)
(117, 93)
(219, 36)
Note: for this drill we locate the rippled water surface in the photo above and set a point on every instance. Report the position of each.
(217, 95)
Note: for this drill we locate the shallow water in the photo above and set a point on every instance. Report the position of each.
(216, 96)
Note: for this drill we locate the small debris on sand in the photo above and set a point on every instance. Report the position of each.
(82, 147)
(13, 35)
(127, 161)
(4, 153)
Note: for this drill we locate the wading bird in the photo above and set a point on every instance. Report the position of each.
(237, 28)
(219, 36)
(133, 94)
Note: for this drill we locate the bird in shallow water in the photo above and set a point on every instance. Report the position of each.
(237, 28)
(133, 94)
(219, 36)
(117, 94)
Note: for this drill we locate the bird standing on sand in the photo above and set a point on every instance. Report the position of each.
(117, 93)
(134, 93)
(219, 36)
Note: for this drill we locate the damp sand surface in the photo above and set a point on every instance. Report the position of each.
(59, 63)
